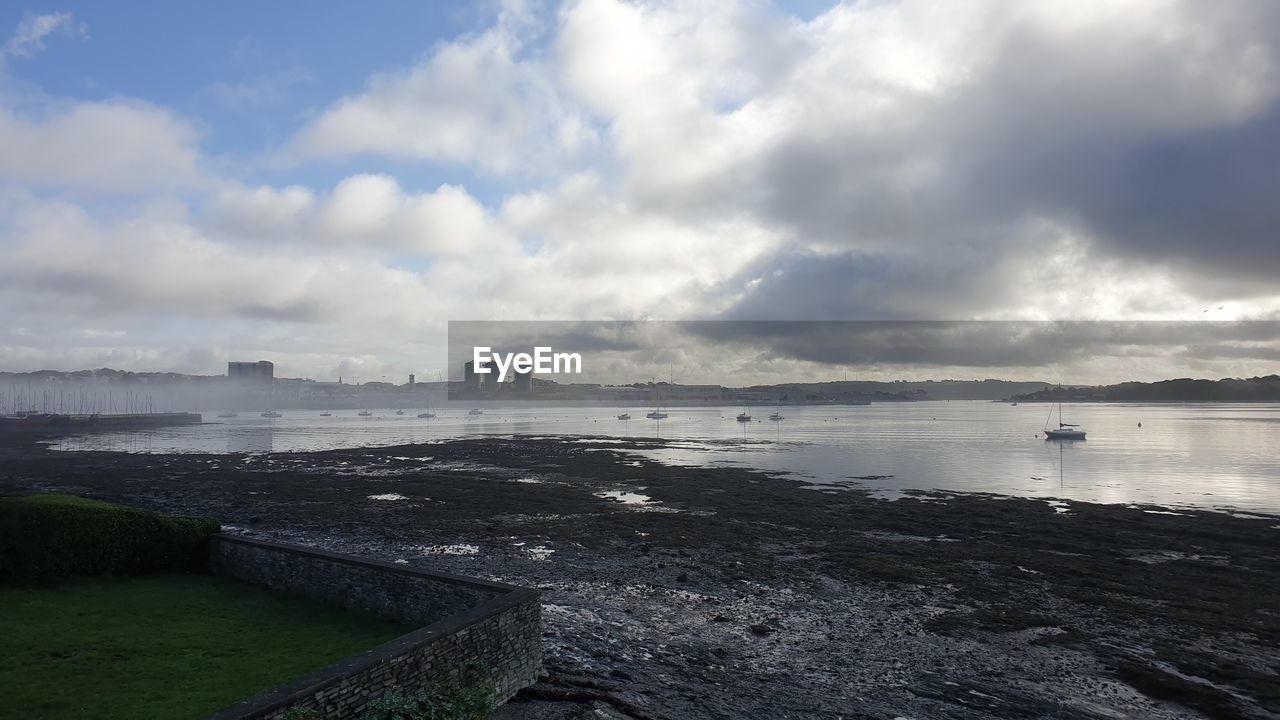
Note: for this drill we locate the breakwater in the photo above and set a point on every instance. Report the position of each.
(56, 423)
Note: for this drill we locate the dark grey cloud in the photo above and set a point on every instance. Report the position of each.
(624, 351)
(992, 344)
(866, 285)
(1207, 202)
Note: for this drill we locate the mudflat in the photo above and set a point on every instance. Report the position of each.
(723, 592)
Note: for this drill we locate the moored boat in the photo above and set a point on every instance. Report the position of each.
(1065, 430)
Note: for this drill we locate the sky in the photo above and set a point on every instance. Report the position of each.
(326, 185)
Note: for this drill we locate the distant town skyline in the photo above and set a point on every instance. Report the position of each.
(325, 186)
(744, 353)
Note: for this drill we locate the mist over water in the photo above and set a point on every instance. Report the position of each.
(1207, 456)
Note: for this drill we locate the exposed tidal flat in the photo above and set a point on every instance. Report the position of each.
(677, 590)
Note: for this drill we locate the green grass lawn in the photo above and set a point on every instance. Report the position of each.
(166, 646)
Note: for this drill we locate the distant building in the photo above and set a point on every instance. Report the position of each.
(411, 378)
(262, 372)
(690, 393)
(524, 382)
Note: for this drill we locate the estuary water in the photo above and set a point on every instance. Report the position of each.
(1220, 456)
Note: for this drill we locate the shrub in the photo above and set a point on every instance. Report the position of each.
(297, 712)
(47, 536)
(470, 697)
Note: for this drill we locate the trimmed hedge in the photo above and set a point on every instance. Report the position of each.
(47, 536)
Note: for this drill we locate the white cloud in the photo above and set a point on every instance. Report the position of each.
(262, 212)
(29, 37)
(111, 146)
(364, 214)
(478, 101)
(361, 206)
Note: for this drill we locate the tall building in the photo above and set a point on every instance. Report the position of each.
(262, 372)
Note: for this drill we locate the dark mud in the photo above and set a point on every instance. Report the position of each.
(726, 593)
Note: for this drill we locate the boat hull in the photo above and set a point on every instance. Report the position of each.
(1064, 435)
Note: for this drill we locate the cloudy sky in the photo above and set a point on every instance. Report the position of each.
(326, 184)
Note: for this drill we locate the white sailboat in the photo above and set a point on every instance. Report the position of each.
(745, 415)
(1064, 431)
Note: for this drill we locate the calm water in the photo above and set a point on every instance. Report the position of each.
(1219, 456)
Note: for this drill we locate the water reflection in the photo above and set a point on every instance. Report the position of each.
(258, 437)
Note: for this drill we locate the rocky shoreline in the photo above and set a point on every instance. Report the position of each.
(683, 592)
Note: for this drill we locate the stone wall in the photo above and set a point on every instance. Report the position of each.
(462, 621)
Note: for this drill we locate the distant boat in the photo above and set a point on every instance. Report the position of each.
(228, 415)
(365, 413)
(777, 414)
(431, 410)
(326, 414)
(1014, 403)
(272, 414)
(745, 415)
(475, 411)
(1064, 431)
(656, 413)
(625, 416)
(399, 412)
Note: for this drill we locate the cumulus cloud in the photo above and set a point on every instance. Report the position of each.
(960, 159)
(943, 126)
(74, 281)
(364, 212)
(111, 146)
(479, 101)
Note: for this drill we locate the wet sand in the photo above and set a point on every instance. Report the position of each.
(673, 592)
